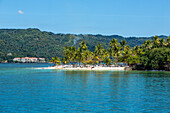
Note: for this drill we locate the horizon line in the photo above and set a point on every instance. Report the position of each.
(103, 34)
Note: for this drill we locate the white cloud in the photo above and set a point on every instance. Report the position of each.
(20, 12)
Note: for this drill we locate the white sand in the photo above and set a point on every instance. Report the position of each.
(89, 68)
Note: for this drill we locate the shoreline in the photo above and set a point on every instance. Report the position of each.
(86, 68)
(96, 69)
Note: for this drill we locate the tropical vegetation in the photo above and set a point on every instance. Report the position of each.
(41, 44)
(152, 54)
(55, 60)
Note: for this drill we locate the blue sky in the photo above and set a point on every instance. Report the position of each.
(108, 17)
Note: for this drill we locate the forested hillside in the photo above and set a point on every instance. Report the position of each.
(35, 43)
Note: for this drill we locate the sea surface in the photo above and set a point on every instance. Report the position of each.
(24, 89)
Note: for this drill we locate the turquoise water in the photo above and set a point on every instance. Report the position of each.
(23, 89)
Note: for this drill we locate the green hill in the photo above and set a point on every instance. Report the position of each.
(35, 43)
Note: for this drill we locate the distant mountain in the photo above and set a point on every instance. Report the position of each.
(35, 43)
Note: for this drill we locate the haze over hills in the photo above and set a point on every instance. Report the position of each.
(35, 43)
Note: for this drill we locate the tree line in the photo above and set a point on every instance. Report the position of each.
(152, 54)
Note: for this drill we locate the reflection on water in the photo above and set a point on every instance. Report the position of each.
(23, 89)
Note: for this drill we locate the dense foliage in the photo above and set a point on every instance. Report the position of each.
(36, 43)
(153, 54)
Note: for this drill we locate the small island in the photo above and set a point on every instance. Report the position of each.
(151, 55)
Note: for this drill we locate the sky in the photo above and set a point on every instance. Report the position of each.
(107, 17)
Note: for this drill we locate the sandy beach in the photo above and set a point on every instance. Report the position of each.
(85, 68)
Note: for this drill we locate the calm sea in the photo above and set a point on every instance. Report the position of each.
(23, 89)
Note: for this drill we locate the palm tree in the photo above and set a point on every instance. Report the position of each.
(126, 53)
(69, 53)
(106, 57)
(106, 53)
(113, 42)
(138, 50)
(83, 45)
(107, 61)
(162, 42)
(79, 55)
(64, 60)
(87, 56)
(99, 51)
(114, 49)
(55, 60)
(123, 43)
(80, 52)
(72, 54)
(156, 42)
(135, 50)
(95, 59)
(147, 44)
